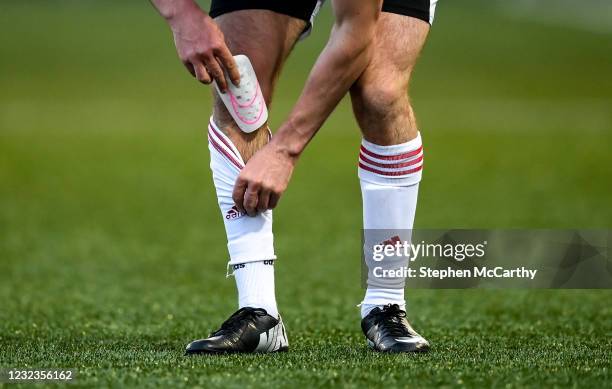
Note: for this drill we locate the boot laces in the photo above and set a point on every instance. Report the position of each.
(238, 319)
(392, 318)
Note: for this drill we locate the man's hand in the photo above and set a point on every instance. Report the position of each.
(264, 179)
(199, 42)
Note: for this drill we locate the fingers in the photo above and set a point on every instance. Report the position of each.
(246, 196)
(263, 201)
(214, 69)
(189, 67)
(251, 199)
(238, 195)
(200, 73)
(208, 65)
(228, 62)
(273, 202)
(208, 70)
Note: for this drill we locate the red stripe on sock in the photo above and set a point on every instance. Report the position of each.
(391, 165)
(392, 157)
(393, 174)
(222, 138)
(227, 155)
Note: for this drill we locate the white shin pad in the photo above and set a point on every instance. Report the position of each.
(245, 103)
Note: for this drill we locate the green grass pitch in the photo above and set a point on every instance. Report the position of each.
(112, 252)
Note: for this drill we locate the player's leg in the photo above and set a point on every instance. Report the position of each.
(266, 38)
(390, 162)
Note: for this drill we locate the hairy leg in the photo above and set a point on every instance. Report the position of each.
(380, 96)
(391, 154)
(266, 38)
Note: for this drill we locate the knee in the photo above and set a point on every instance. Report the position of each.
(377, 101)
(383, 112)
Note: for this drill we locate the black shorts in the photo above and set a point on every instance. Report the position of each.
(307, 9)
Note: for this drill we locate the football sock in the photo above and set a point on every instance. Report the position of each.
(249, 239)
(255, 282)
(389, 178)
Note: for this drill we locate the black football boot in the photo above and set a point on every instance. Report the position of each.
(248, 330)
(387, 330)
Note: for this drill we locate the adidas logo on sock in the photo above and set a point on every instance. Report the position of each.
(233, 213)
(238, 266)
(269, 262)
(391, 241)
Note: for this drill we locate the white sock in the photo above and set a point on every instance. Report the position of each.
(249, 239)
(389, 177)
(255, 282)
